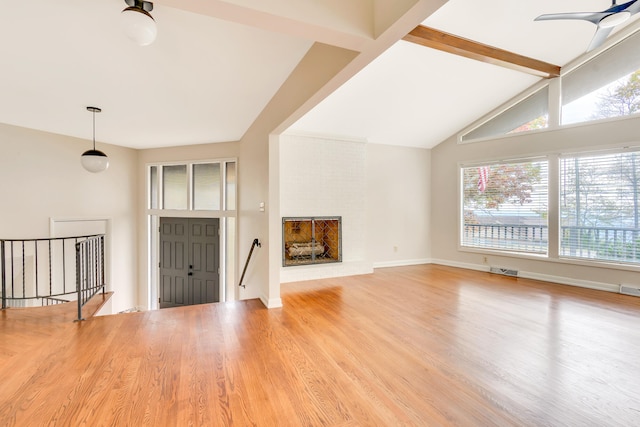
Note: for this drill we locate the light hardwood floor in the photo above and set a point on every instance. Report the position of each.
(416, 346)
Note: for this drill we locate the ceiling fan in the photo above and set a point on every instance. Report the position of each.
(606, 20)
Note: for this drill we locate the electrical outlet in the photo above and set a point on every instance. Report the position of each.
(395, 249)
(485, 260)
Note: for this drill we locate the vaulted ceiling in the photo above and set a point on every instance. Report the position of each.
(216, 65)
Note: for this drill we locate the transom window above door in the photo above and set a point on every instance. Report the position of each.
(197, 186)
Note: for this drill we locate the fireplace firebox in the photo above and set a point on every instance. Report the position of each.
(311, 240)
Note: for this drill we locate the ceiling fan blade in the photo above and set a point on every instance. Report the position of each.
(593, 17)
(599, 37)
(620, 7)
(632, 7)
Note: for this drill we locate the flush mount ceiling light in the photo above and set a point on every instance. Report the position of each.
(94, 160)
(137, 22)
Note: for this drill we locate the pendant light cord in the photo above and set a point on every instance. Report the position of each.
(94, 130)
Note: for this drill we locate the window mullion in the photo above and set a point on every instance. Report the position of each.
(160, 187)
(553, 210)
(190, 186)
(555, 103)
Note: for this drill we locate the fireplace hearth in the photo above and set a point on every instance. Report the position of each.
(311, 240)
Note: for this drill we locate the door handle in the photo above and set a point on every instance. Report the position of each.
(190, 274)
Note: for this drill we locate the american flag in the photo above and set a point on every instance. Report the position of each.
(483, 178)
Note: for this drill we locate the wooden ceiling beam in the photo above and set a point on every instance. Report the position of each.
(446, 42)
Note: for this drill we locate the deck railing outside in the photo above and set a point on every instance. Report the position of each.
(602, 243)
(606, 243)
(510, 237)
(38, 272)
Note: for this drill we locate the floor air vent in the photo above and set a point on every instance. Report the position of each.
(630, 290)
(504, 271)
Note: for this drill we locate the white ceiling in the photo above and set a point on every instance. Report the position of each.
(203, 79)
(216, 65)
(415, 96)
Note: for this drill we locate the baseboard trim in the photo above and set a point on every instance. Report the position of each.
(599, 286)
(467, 266)
(561, 280)
(401, 263)
(271, 303)
(303, 273)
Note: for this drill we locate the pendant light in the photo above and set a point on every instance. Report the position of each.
(94, 160)
(137, 22)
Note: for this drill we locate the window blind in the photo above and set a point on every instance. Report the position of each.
(504, 206)
(599, 207)
(525, 111)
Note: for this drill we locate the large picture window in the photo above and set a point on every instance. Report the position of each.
(599, 207)
(504, 206)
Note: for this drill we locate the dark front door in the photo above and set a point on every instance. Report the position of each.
(189, 261)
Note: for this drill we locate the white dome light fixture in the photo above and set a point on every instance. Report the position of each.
(137, 22)
(94, 160)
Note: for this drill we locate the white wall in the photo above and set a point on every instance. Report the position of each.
(398, 205)
(381, 192)
(41, 178)
(444, 220)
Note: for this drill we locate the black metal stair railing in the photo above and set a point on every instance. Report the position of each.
(39, 272)
(255, 243)
(89, 269)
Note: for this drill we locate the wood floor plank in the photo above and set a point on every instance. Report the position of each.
(406, 346)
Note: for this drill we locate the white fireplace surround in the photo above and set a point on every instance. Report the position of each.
(326, 177)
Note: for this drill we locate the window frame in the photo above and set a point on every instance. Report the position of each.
(513, 102)
(554, 225)
(222, 166)
(625, 36)
(581, 259)
(160, 210)
(505, 108)
(228, 225)
(461, 208)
